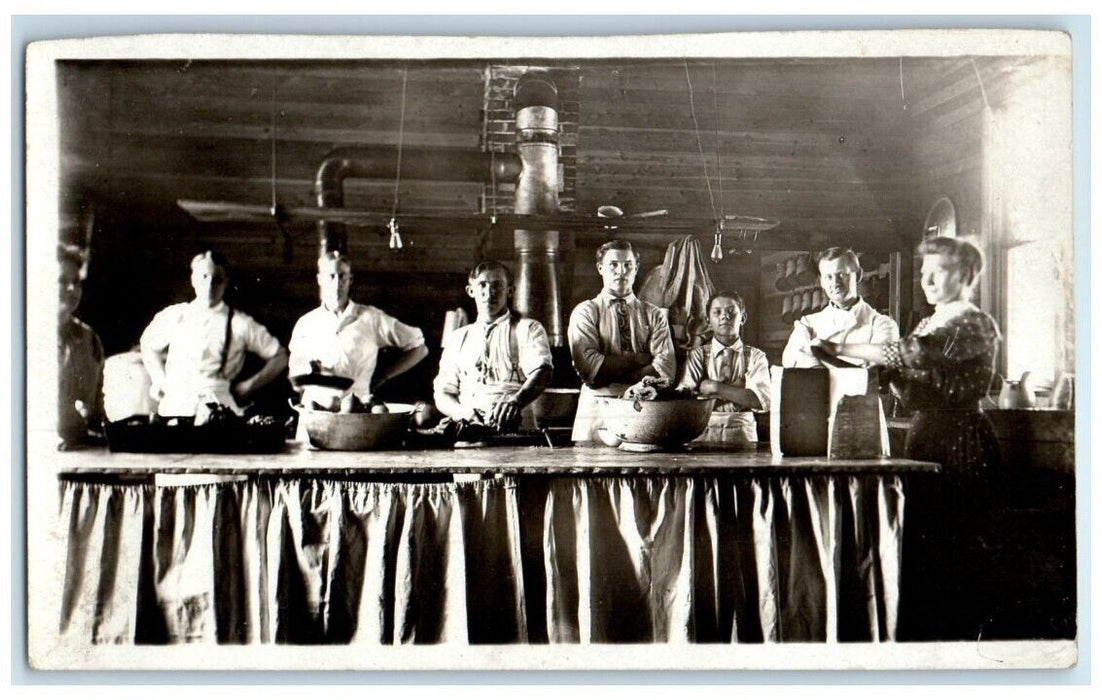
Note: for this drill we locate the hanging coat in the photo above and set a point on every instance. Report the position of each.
(683, 285)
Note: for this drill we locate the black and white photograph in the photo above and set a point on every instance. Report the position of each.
(713, 351)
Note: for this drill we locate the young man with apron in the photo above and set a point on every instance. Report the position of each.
(194, 350)
(616, 338)
(730, 371)
(493, 369)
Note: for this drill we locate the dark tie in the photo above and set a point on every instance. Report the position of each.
(482, 365)
(623, 325)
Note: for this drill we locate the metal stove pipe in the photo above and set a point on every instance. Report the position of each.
(539, 290)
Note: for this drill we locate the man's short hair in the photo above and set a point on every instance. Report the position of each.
(215, 257)
(836, 252)
(490, 266)
(336, 256)
(733, 296)
(965, 256)
(68, 254)
(616, 244)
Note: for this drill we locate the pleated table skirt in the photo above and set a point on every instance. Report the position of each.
(528, 559)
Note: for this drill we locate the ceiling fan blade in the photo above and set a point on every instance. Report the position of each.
(655, 222)
(226, 211)
(750, 223)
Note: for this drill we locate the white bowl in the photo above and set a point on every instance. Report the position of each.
(657, 424)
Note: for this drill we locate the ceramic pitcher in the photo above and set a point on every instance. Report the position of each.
(1017, 394)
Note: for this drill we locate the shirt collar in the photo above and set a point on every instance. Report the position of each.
(852, 309)
(196, 307)
(350, 310)
(611, 298)
(718, 347)
(503, 318)
(859, 310)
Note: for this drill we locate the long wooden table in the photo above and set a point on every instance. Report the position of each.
(482, 545)
(300, 459)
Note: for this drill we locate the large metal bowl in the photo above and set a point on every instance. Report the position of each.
(646, 425)
(357, 431)
(555, 406)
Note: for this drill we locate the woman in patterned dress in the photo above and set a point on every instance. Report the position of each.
(942, 370)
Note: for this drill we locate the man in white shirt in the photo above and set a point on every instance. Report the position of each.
(492, 369)
(616, 338)
(194, 350)
(343, 338)
(846, 319)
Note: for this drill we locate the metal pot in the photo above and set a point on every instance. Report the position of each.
(649, 425)
(555, 406)
(357, 431)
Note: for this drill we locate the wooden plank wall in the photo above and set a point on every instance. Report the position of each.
(826, 147)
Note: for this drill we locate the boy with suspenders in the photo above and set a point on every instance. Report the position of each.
(734, 373)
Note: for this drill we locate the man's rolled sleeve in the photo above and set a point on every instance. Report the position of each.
(400, 335)
(259, 340)
(534, 348)
(797, 352)
(157, 335)
(583, 336)
(299, 361)
(447, 377)
(757, 377)
(884, 330)
(694, 370)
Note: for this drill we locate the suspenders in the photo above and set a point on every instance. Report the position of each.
(514, 347)
(226, 340)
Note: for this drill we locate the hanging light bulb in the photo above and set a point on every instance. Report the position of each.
(395, 239)
(717, 249)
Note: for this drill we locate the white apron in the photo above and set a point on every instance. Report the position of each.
(587, 420)
(185, 386)
(730, 427)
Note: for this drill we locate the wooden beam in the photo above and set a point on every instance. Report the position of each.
(856, 143)
(600, 160)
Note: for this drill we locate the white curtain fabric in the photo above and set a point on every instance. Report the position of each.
(616, 560)
(103, 559)
(657, 559)
(296, 561)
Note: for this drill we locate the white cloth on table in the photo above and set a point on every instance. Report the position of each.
(593, 333)
(347, 344)
(859, 324)
(194, 336)
(479, 364)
